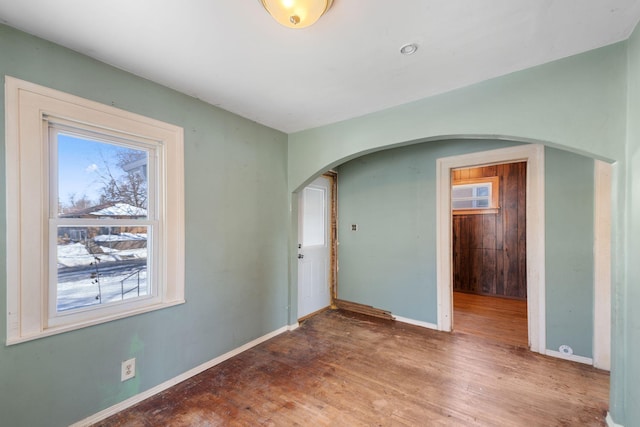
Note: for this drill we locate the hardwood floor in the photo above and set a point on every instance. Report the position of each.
(499, 319)
(345, 369)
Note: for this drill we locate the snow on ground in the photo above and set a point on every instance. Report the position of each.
(76, 254)
(116, 255)
(120, 237)
(120, 276)
(84, 293)
(73, 255)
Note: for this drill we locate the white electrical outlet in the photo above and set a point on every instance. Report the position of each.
(128, 369)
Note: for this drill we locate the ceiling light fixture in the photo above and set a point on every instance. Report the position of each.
(409, 49)
(296, 13)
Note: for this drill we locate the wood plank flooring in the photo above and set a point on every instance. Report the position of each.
(499, 319)
(346, 369)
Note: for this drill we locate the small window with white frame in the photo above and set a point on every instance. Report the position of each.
(95, 198)
(475, 196)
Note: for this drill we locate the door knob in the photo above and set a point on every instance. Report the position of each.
(300, 256)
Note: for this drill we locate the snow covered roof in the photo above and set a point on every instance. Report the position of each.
(120, 209)
(106, 210)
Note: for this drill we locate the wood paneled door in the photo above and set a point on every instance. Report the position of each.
(489, 247)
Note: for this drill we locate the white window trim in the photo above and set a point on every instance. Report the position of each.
(27, 205)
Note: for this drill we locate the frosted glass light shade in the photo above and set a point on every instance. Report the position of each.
(296, 13)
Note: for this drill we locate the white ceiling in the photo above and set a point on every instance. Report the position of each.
(232, 54)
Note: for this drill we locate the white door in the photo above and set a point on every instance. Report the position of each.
(314, 260)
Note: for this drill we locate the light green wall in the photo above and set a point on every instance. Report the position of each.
(236, 250)
(569, 233)
(390, 262)
(577, 103)
(626, 388)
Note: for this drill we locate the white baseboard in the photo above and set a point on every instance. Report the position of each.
(610, 422)
(416, 322)
(573, 357)
(552, 353)
(118, 407)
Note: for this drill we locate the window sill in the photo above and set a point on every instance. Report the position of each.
(476, 211)
(96, 321)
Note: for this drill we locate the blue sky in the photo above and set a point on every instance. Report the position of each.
(81, 161)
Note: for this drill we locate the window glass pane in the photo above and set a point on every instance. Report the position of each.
(471, 196)
(313, 226)
(460, 191)
(483, 191)
(99, 265)
(100, 180)
(462, 204)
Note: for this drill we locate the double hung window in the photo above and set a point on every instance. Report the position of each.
(95, 229)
